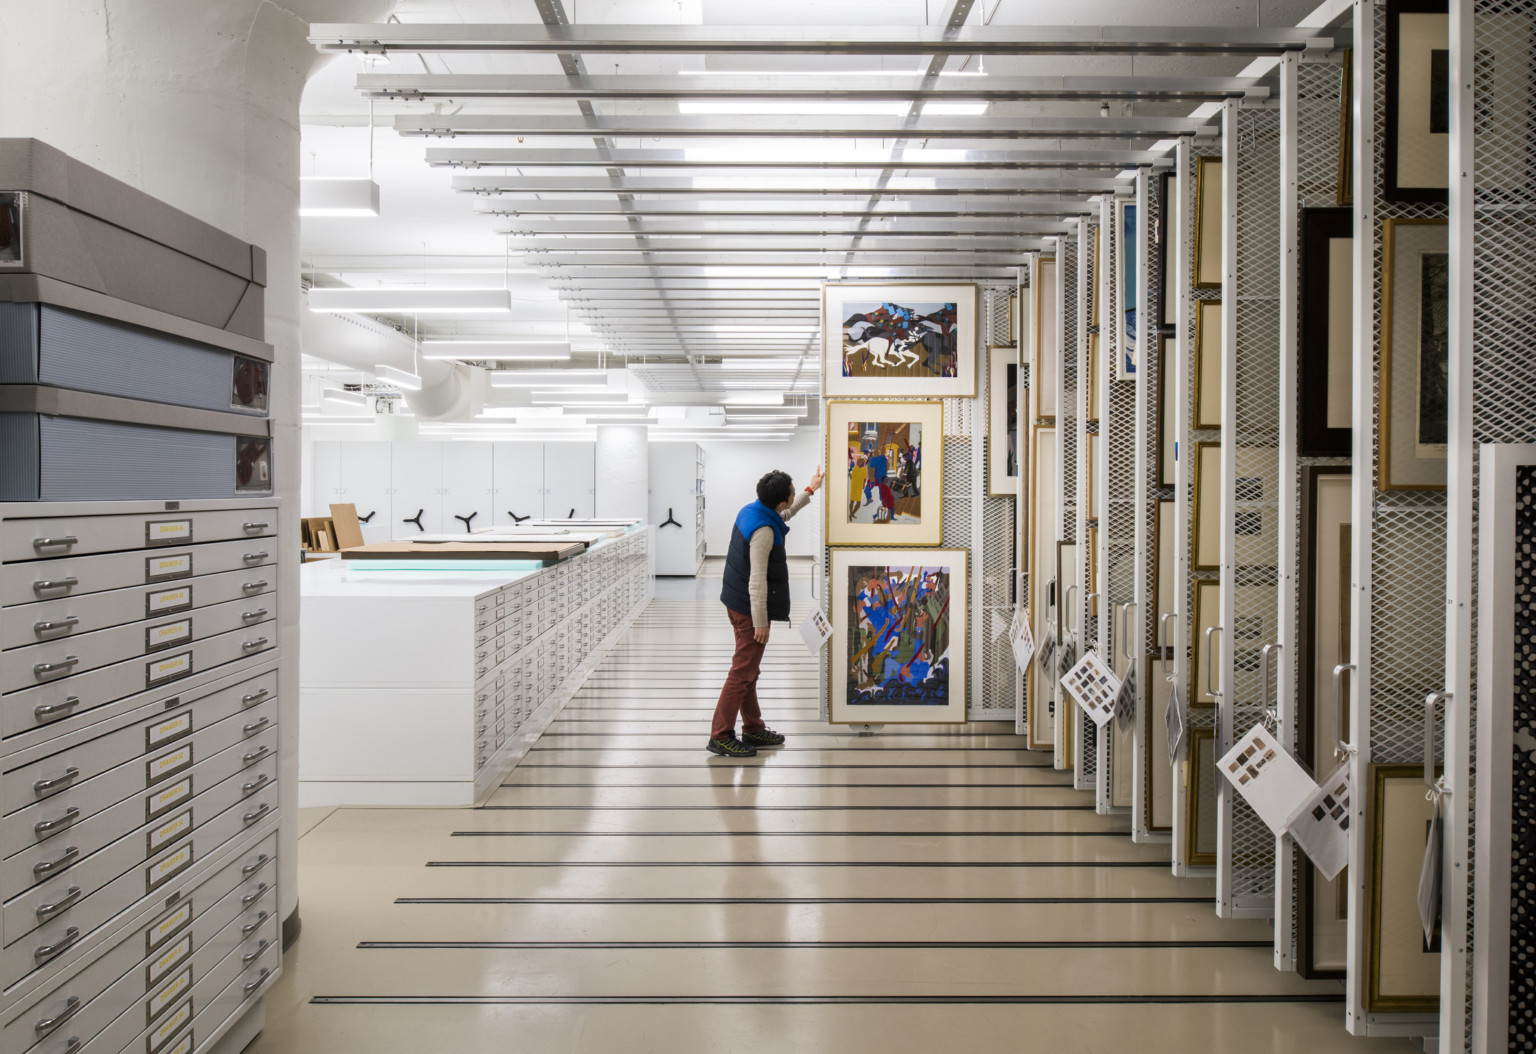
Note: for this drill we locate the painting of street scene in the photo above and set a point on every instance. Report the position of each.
(885, 464)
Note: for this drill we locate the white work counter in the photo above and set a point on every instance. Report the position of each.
(426, 687)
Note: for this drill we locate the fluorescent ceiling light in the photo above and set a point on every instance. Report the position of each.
(615, 409)
(954, 109)
(917, 72)
(753, 399)
(794, 107)
(355, 402)
(417, 301)
(399, 378)
(546, 378)
(764, 327)
(338, 197)
(441, 349)
(551, 396)
(320, 419)
(761, 364)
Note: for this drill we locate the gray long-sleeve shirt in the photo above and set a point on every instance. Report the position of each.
(759, 546)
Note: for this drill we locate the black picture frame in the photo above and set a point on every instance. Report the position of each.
(1319, 227)
(1395, 9)
(1164, 238)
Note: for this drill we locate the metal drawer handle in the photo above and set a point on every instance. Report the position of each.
(254, 698)
(43, 670)
(480, 731)
(61, 585)
(254, 616)
(44, 827)
(255, 726)
(254, 756)
(251, 956)
(72, 1006)
(255, 558)
(68, 622)
(255, 645)
(252, 528)
(52, 951)
(247, 789)
(248, 989)
(254, 587)
(48, 867)
(47, 711)
(481, 671)
(69, 775)
(48, 911)
(71, 1045)
(1341, 749)
(254, 895)
(254, 925)
(256, 813)
(64, 541)
(255, 865)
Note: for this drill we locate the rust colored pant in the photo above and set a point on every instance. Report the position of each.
(740, 692)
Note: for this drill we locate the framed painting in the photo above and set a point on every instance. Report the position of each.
(1093, 573)
(1207, 269)
(1128, 286)
(1206, 540)
(1069, 626)
(1208, 341)
(1344, 192)
(1045, 369)
(1415, 355)
(901, 339)
(1165, 233)
(1004, 446)
(1093, 377)
(1403, 969)
(1323, 643)
(890, 491)
(1416, 150)
(1207, 614)
(1200, 811)
(1091, 474)
(1157, 772)
(898, 648)
(1326, 351)
(1167, 413)
(1165, 597)
(1044, 501)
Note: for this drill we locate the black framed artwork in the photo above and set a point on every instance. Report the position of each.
(1165, 231)
(1324, 368)
(1418, 102)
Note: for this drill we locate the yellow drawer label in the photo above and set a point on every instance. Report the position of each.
(167, 1028)
(169, 994)
(164, 601)
(169, 668)
(166, 634)
(167, 765)
(168, 867)
(169, 831)
(168, 531)
(163, 801)
(167, 962)
(167, 927)
(164, 568)
(167, 730)
(183, 1045)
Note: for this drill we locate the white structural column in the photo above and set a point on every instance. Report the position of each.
(198, 105)
(623, 472)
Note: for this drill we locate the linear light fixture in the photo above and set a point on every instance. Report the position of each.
(505, 350)
(795, 107)
(416, 301)
(324, 196)
(411, 382)
(574, 379)
(322, 419)
(955, 109)
(354, 402)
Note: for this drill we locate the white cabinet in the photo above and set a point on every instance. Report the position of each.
(365, 483)
(570, 480)
(467, 485)
(677, 506)
(325, 479)
(517, 482)
(416, 479)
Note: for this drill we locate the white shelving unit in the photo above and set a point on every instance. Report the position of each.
(677, 493)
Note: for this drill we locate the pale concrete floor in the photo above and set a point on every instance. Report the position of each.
(627, 891)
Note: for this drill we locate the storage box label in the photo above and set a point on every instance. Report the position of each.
(169, 831)
(165, 568)
(166, 601)
(169, 668)
(168, 867)
(167, 995)
(168, 1028)
(167, 927)
(163, 636)
(167, 730)
(167, 765)
(167, 962)
(161, 802)
(167, 532)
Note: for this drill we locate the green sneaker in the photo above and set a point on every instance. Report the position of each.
(731, 747)
(765, 738)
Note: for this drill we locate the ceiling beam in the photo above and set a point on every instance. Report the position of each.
(1036, 185)
(790, 226)
(808, 208)
(1002, 272)
(979, 160)
(721, 248)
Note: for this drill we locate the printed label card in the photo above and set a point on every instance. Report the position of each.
(1267, 777)
(1125, 704)
(1094, 686)
(816, 630)
(1175, 719)
(1429, 874)
(1045, 654)
(1320, 827)
(1021, 639)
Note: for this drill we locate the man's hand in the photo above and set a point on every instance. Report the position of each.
(760, 634)
(815, 484)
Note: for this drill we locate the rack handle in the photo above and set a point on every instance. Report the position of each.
(1210, 678)
(1271, 718)
(1162, 642)
(1128, 609)
(1432, 700)
(1340, 748)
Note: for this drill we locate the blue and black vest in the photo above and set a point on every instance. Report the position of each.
(734, 591)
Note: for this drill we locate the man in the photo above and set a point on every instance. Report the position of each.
(755, 591)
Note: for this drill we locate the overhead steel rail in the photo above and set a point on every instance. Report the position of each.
(790, 226)
(1005, 40)
(1001, 126)
(901, 269)
(935, 186)
(805, 243)
(979, 160)
(406, 86)
(955, 257)
(809, 207)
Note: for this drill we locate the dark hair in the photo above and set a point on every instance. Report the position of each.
(775, 488)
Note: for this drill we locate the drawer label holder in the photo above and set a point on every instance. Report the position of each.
(167, 601)
(167, 532)
(161, 802)
(167, 765)
(157, 1003)
(170, 831)
(168, 867)
(167, 927)
(159, 671)
(168, 1028)
(167, 635)
(163, 965)
(169, 730)
(167, 568)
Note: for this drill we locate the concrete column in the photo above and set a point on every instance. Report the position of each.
(196, 103)
(623, 471)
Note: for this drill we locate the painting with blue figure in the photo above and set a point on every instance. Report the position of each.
(898, 636)
(1128, 265)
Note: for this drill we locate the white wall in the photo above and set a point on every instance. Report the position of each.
(623, 471)
(731, 472)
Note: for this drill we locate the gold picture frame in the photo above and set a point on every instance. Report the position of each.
(1207, 614)
(1045, 356)
(1405, 461)
(1093, 377)
(1157, 773)
(1402, 975)
(1205, 533)
(1091, 475)
(1005, 434)
(838, 299)
(1344, 191)
(1167, 413)
(1164, 555)
(1208, 223)
(1208, 365)
(1041, 556)
(929, 464)
(1200, 809)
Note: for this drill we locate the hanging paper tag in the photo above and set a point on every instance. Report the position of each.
(816, 631)
(1429, 876)
(1175, 719)
(1045, 653)
(1021, 639)
(1320, 826)
(1094, 686)
(1267, 777)
(1125, 704)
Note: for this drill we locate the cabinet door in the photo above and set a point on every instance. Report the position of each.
(366, 483)
(325, 477)
(416, 479)
(570, 480)
(517, 471)
(466, 486)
